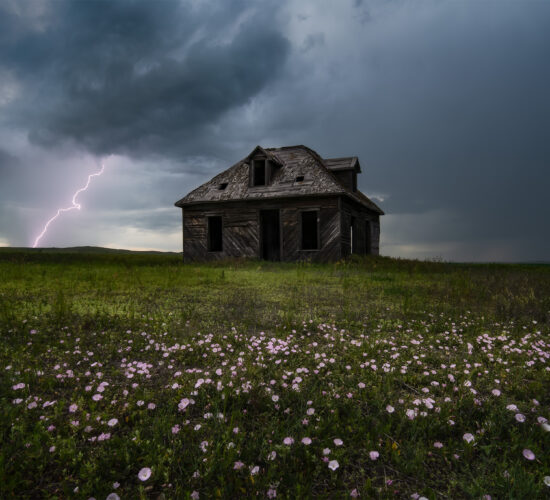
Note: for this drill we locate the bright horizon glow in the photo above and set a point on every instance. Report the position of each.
(74, 205)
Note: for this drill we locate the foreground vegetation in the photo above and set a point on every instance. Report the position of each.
(136, 376)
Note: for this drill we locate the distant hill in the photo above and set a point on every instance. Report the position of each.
(87, 249)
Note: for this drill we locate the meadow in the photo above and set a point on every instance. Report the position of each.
(138, 376)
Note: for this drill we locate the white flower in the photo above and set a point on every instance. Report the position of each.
(546, 480)
(112, 422)
(468, 437)
(144, 473)
(390, 409)
(374, 455)
(338, 442)
(112, 496)
(333, 464)
(306, 441)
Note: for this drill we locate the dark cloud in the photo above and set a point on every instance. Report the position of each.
(138, 77)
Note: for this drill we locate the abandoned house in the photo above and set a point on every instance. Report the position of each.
(284, 204)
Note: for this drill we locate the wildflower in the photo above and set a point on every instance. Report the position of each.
(275, 398)
(195, 495)
(468, 437)
(528, 454)
(354, 493)
(112, 496)
(512, 407)
(144, 474)
(271, 493)
(333, 464)
(288, 441)
(326, 451)
(306, 441)
(495, 392)
(546, 427)
(238, 465)
(390, 409)
(338, 442)
(20, 385)
(310, 411)
(546, 480)
(184, 403)
(374, 455)
(361, 385)
(73, 408)
(272, 455)
(112, 422)
(151, 406)
(520, 417)
(255, 470)
(437, 444)
(140, 402)
(97, 397)
(52, 449)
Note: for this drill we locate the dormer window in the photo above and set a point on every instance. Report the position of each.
(222, 186)
(259, 176)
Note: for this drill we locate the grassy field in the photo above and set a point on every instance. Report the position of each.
(136, 376)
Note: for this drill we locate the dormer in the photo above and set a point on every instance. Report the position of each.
(345, 170)
(262, 166)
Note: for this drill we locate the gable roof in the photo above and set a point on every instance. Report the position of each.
(291, 162)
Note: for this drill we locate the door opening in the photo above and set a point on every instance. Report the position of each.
(270, 234)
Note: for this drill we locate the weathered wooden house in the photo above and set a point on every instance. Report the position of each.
(281, 204)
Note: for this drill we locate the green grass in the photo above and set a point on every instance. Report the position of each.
(256, 345)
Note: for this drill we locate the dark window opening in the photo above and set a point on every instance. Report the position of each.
(368, 238)
(300, 178)
(215, 234)
(310, 233)
(270, 235)
(222, 186)
(259, 173)
(353, 235)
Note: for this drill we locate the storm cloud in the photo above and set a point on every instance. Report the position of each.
(445, 103)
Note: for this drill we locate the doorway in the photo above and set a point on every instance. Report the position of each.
(270, 235)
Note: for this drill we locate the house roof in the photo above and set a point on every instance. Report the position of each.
(290, 163)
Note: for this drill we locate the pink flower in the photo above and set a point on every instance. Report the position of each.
(288, 441)
(468, 437)
(333, 464)
(354, 493)
(112, 422)
(520, 417)
(437, 444)
(144, 474)
(306, 441)
(338, 442)
(73, 408)
(271, 493)
(195, 495)
(238, 465)
(374, 455)
(495, 392)
(528, 454)
(390, 409)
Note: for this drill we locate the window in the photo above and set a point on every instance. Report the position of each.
(368, 238)
(300, 178)
(259, 173)
(352, 235)
(310, 230)
(215, 234)
(222, 186)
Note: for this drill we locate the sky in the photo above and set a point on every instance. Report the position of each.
(446, 104)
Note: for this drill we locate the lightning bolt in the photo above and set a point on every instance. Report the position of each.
(74, 206)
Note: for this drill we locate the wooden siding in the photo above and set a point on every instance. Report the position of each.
(241, 229)
(361, 216)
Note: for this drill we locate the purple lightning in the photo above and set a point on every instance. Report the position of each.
(74, 206)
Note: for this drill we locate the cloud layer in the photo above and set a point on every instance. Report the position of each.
(445, 104)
